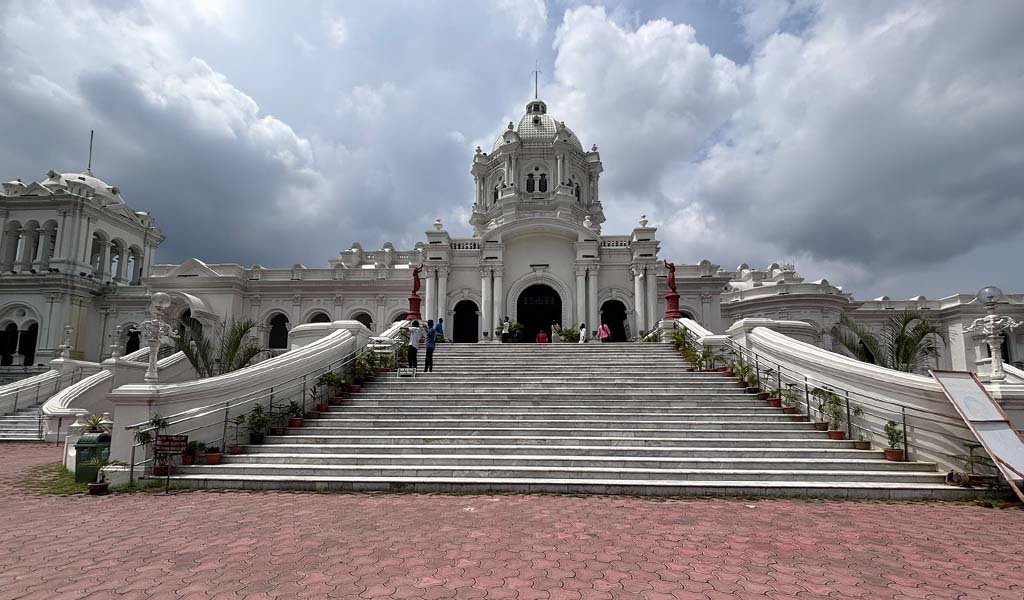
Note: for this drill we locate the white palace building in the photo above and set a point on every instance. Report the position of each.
(77, 269)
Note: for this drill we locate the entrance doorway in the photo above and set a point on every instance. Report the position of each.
(466, 326)
(536, 308)
(27, 344)
(8, 344)
(613, 314)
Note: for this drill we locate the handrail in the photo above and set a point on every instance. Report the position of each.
(855, 403)
(289, 386)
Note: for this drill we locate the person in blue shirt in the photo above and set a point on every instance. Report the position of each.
(439, 329)
(428, 363)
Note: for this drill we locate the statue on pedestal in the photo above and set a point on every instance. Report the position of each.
(672, 297)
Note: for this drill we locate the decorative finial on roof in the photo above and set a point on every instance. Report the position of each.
(510, 126)
(438, 226)
(594, 148)
(643, 220)
(536, 80)
(479, 150)
(88, 168)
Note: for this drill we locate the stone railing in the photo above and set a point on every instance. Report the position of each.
(35, 390)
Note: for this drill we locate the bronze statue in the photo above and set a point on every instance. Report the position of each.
(416, 279)
(671, 275)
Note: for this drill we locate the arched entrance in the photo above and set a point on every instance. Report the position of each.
(134, 341)
(466, 326)
(613, 314)
(27, 344)
(278, 338)
(320, 317)
(536, 308)
(8, 344)
(365, 319)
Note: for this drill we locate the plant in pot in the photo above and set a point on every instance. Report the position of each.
(278, 423)
(317, 392)
(192, 450)
(294, 414)
(742, 370)
(570, 335)
(775, 397)
(862, 443)
(161, 465)
(790, 399)
(213, 455)
(258, 422)
(95, 424)
(835, 412)
(894, 434)
(101, 485)
(238, 425)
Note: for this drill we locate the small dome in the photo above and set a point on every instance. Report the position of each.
(537, 128)
(97, 185)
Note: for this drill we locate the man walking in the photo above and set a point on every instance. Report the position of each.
(439, 329)
(416, 341)
(428, 363)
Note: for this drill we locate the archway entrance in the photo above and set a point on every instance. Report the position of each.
(466, 325)
(536, 308)
(8, 344)
(613, 314)
(27, 344)
(278, 338)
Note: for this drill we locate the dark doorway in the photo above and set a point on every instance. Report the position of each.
(8, 344)
(400, 317)
(320, 318)
(134, 342)
(27, 346)
(466, 324)
(186, 320)
(613, 314)
(365, 319)
(278, 332)
(536, 308)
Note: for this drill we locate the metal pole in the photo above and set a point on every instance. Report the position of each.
(807, 398)
(224, 432)
(849, 423)
(906, 440)
(16, 390)
(778, 377)
(131, 468)
(56, 439)
(757, 371)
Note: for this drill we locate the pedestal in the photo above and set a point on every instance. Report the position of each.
(672, 307)
(414, 308)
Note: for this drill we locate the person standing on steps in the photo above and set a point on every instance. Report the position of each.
(417, 339)
(505, 330)
(583, 333)
(439, 330)
(542, 338)
(556, 332)
(604, 334)
(428, 362)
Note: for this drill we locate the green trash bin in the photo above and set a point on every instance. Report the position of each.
(90, 450)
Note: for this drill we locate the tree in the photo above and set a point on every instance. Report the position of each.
(233, 349)
(906, 342)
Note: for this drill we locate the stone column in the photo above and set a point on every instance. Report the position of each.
(41, 258)
(104, 270)
(24, 260)
(652, 294)
(485, 301)
(499, 297)
(428, 313)
(442, 296)
(121, 260)
(560, 161)
(137, 276)
(638, 300)
(581, 297)
(593, 316)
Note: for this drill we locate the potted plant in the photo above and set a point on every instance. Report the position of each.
(790, 400)
(95, 424)
(277, 424)
(321, 402)
(569, 335)
(100, 486)
(894, 433)
(257, 422)
(294, 414)
(775, 397)
(238, 424)
(161, 465)
(833, 407)
(741, 370)
(861, 443)
(213, 455)
(192, 450)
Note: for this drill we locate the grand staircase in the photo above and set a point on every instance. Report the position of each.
(569, 418)
(22, 426)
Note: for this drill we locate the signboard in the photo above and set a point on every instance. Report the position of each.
(406, 372)
(987, 421)
(170, 444)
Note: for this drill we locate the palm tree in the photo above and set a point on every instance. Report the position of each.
(232, 350)
(906, 342)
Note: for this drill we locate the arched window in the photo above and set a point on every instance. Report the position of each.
(543, 182)
(529, 182)
(320, 317)
(133, 342)
(365, 319)
(278, 332)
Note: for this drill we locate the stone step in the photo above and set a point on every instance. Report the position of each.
(566, 433)
(575, 412)
(884, 490)
(622, 405)
(790, 440)
(545, 396)
(564, 428)
(557, 447)
(570, 472)
(602, 462)
(662, 421)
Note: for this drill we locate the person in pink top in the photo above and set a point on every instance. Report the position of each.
(542, 337)
(604, 333)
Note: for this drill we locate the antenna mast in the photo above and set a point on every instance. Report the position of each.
(88, 169)
(536, 76)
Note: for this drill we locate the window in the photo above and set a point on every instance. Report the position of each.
(529, 183)
(495, 193)
(543, 182)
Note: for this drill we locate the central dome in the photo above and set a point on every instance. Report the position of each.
(537, 128)
(62, 181)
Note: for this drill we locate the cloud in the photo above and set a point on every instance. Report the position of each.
(337, 31)
(529, 16)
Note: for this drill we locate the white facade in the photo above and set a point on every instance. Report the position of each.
(73, 253)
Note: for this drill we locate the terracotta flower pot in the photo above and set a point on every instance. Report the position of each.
(728, 373)
(821, 426)
(336, 401)
(356, 388)
(774, 402)
(161, 470)
(837, 435)
(295, 422)
(322, 407)
(862, 444)
(214, 459)
(893, 454)
(98, 489)
(277, 430)
(234, 449)
(742, 384)
(187, 459)
(791, 410)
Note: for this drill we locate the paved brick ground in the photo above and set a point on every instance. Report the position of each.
(281, 545)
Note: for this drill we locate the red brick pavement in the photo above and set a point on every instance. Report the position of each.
(302, 545)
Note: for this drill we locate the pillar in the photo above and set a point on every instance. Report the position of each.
(442, 296)
(499, 297)
(104, 270)
(41, 259)
(652, 295)
(428, 312)
(485, 301)
(10, 249)
(638, 300)
(137, 264)
(24, 260)
(122, 258)
(560, 161)
(593, 317)
(581, 296)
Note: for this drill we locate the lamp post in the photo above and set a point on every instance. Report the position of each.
(992, 327)
(154, 329)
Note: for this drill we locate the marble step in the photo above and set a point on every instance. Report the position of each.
(658, 421)
(729, 430)
(558, 447)
(790, 440)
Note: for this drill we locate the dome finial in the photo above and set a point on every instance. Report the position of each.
(536, 80)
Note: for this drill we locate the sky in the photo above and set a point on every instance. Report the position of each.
(878, 144)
